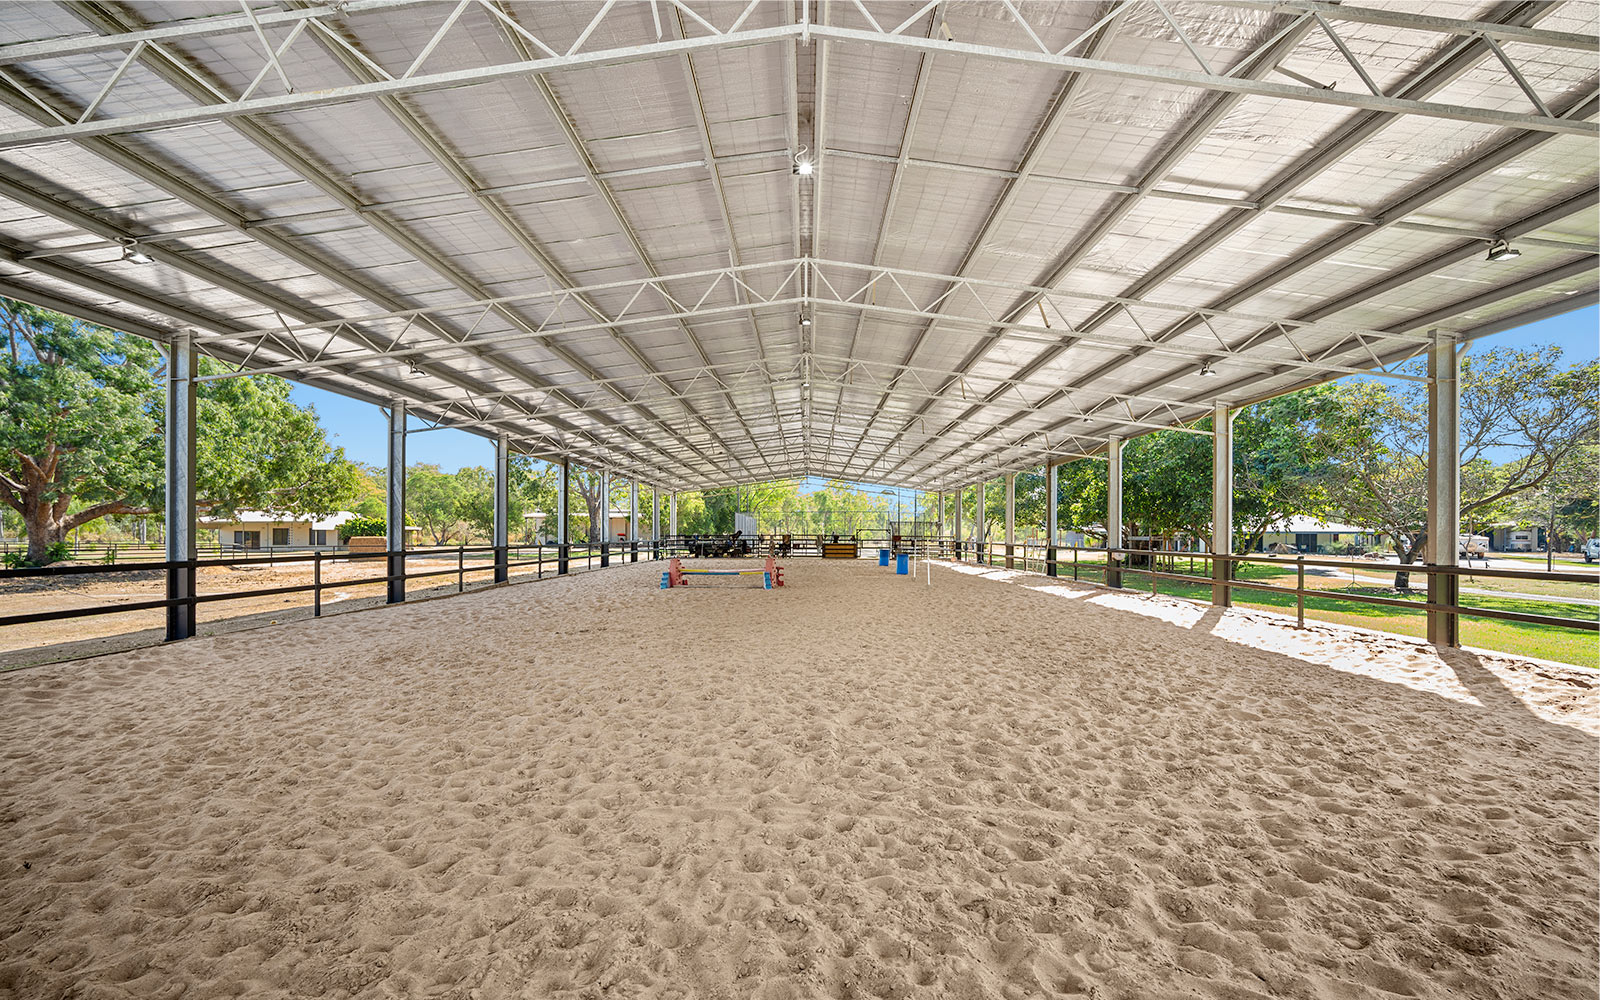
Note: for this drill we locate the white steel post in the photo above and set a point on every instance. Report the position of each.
(1444, 486)
(957, 521)
(395, 537)
(1011, 515)
(672, 513)
(502, 512)
(980, 521)
(633, 518)
(1221, 504)
(601, 533)
(1050, 490)
(1113, 510)
(563, 528)
(180, 462)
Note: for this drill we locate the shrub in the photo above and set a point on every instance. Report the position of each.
(363, 526)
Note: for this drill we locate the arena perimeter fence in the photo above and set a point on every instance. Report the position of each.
(1110, 566)
(546, 560)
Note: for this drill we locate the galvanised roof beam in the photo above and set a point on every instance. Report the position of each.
(415, 81)
(1430, 319)
(383, 391)
(1531, 283)
(1439, 74)
(169, 181)
(1576, 205)
(1258, 64)
(282, 343)
(777, 285)
(424, 135)
(1421, 22)
(891, 202)
(575, 142)
(1239, 204)
(1066, 92)
(192, 29)
(714, 174)
(190, 83)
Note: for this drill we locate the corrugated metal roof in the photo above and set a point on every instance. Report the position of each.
(582, 225)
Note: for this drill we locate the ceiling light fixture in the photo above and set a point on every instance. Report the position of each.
(132, 253)
(1206, 371)
(1501, 250)
(805, 320)
(803, 165)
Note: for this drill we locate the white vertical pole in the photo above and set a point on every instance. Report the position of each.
(672, 513)
(633, 510)
(180, 463)
(1113, 509)
(563, 525)
(980, 520)
(1221, 502)
(1011, 515)
(502, 509)
(601, 533)
(1050, 500)
(395, 538)
(957, 519)
(1444, 485)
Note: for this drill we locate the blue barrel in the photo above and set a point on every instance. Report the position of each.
(883, 557)
(902, 564)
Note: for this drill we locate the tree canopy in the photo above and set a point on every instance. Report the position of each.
(83, 408)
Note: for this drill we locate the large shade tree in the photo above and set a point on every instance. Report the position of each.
(1524, 415)
(82, 411)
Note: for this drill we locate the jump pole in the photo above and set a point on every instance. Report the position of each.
(676, 576)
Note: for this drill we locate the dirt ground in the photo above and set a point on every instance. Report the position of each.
(970, 784)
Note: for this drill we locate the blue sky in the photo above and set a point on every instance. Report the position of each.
(360, 427)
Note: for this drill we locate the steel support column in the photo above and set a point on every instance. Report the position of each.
(672, 513)
(1221, 503)
(1113, 510)
(602, 533)
(502, 509)
(563, 529)
(941, 513)
(633, 519)
(980, 521)
(1049, 518)
(956, 525)
(395, 533)
(1444, 486)
(1011, 516)
(180, 461)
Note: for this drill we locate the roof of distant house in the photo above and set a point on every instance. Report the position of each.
(268, 517)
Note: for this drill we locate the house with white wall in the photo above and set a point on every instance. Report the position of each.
(259, 529)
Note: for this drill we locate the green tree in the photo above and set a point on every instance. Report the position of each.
(1525, 403)
(1564, 504)
(83, 410)
(535, 484)
(434, 502)
(477, 502)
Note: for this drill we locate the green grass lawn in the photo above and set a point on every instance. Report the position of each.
(1548, 643)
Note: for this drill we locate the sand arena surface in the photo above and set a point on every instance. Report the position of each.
(858, 786)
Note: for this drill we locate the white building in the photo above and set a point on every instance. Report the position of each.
(1310, 536)
(259, 529)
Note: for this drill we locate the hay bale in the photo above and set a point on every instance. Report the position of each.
(365, 544)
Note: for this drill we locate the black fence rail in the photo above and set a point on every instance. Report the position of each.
(391, 568)
(1110, 566)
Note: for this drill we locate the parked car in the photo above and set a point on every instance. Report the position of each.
(1591, 550)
